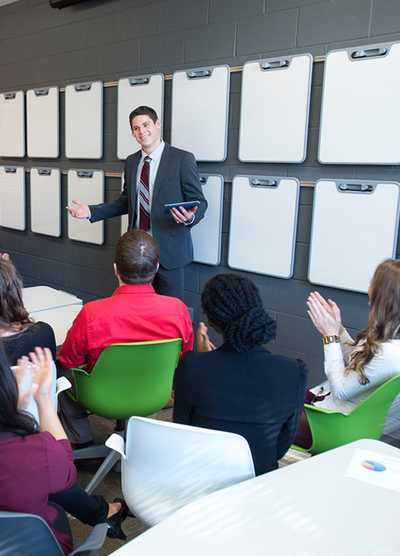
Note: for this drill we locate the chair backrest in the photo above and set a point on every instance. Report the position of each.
(26, 534)
(168, 465)
(129, 379)
(330, 430)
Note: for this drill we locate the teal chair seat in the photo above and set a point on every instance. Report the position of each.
(331, 429)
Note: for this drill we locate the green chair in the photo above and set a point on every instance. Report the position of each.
(331, 429)
(127, 379)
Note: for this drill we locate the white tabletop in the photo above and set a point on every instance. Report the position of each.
(305, 509)
(41, 298)
(55, 307)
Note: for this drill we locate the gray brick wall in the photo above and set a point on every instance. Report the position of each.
(110, 39)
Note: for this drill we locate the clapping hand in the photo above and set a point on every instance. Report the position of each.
(79, 210)
(203, 342)
(325, 315)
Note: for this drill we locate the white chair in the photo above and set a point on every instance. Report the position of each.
(165, 465)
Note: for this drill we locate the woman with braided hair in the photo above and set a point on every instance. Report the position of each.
(240, 387)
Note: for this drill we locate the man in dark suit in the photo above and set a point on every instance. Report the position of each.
(156, 175)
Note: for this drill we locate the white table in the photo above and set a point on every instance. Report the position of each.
(55, 307)
(305, 509)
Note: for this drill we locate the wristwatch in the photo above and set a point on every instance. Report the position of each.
(330, 340)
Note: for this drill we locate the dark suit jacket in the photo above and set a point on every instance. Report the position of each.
(255, 394)
(177, 180)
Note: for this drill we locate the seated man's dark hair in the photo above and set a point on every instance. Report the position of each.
(136, 257)
(233, 305)
(143, 111)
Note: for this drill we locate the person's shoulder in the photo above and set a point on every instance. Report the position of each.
(288, 364)
(174, 151)
(130, 158)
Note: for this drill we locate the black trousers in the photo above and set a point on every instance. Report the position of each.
(170, 282)
(88, 508)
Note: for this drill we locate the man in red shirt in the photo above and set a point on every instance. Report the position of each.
(134, 313)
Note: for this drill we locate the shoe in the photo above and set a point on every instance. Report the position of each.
(114, 522)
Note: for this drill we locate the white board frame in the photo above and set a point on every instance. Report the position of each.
(140, 90)
(199, 123)
(12, 197)
(86, 186)
(84, 120)
(361, 128)
(42, 119)
(45, 187)
(260, 224)
(12, 124)
(349, 236)
(207, 234)
(275, 108)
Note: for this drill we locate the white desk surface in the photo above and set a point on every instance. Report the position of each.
(305, 509)
(55, 307)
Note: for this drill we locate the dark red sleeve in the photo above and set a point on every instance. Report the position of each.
(60, 463)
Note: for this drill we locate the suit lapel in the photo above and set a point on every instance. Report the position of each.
(162, 167)
(133, 187)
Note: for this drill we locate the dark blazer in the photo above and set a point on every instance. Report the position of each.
(177, 180)
(255, 394)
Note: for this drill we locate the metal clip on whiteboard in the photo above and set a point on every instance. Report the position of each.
(41, 92)
(356, 187)
(274, 64)
(44, 171)
(204, 72)
(143, 80)
(363, 53)
(82, 87)
(10, 169)
(9, 96)
(84, 173)
(263, 182)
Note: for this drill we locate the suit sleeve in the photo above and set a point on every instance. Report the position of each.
(289, 429)
(191, 186)
(182, 405)
(118, 207)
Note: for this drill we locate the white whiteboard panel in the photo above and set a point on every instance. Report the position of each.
(12, 197)
(352, 231)
(274, 111)
(263, 224)
(144, 90)
(206, 234)
(43, 122)
(124, 217)
(84, 120)
(46, 201)
(12, 124)
(360, 118)
(86, 186)
(200, 107)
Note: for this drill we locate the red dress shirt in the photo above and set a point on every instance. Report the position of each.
(134, 313)
(31, 468)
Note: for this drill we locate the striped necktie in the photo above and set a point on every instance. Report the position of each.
(144, 195)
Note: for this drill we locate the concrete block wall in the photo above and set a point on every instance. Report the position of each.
(109, 39)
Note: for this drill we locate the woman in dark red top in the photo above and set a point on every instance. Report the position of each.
(37, 473)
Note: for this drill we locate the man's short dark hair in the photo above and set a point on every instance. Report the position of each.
(136, 257)
(143, 111)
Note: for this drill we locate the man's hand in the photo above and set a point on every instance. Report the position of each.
(182, 215)
(79, 210)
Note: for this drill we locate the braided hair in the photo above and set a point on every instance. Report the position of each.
(233, 304)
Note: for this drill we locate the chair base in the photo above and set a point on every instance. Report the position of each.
(103, 470)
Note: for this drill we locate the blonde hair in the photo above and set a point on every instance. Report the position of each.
(383, 318)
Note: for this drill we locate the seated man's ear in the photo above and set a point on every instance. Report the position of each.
(115, 270)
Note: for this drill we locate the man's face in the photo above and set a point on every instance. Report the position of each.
(146, 132)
